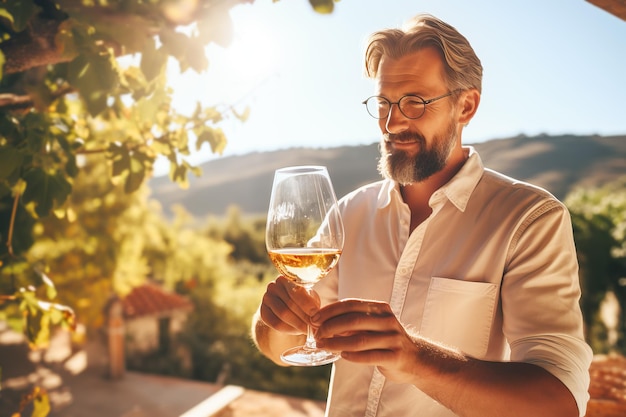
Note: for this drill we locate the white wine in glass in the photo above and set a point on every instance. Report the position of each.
(304, 239)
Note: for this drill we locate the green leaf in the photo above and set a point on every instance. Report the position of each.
(45, 190)
(182, 141)
(10, 127)
(121, 165)
(243, 116)
(22, 233)
(195, 56)
(94, 75)
(71, 167)
(4, 14)
(65, 38)
(35, 131)
(21, 11)
(3, 60)
(41, 404)
(10, 160)
(214, 137)
(212, 114)
(178, 174)
(51, 291)
(136, 176)
(57, 313)
(40, 315)
(188, 51)
(35, 179)
(135, 80)
(146, 108)
(217, 27)
(323, 6)
(153, 61)
(162, 147)
(197, 171)
(121, 159)
(37, 323)
(175, 44)
(61, 138)
(96, 103)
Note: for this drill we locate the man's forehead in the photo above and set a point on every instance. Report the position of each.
(421, 67)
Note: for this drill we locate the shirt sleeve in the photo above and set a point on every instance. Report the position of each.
(540, 299)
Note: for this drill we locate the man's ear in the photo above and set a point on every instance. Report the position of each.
(469, 101)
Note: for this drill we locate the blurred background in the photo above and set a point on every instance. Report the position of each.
(138, 142)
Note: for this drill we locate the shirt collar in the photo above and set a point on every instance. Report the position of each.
(458, 190)
(388, 192)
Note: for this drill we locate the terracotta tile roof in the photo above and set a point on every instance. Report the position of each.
(150, 299)
(608, 387)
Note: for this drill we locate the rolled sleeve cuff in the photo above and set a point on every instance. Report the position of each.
(566, 357)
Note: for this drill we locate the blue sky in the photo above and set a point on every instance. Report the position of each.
(555, 67)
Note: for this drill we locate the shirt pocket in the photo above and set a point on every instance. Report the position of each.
(459, 314)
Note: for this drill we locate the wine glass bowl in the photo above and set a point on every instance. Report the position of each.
(304, 239)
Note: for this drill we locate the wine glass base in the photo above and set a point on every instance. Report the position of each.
(303, 356)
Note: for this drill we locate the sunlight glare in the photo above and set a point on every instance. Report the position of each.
(235, 71)
(235, 76)
(250, 60)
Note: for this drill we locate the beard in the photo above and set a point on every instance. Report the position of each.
(405, 169)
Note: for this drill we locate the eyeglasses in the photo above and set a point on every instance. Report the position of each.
(411, 106)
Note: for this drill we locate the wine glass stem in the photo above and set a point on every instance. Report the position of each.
(310, 338)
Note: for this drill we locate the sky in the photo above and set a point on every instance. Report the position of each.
(553, 67)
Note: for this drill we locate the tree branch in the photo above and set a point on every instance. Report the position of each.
(21, 102)
(33, 47)
(12, 224)
(36, 46)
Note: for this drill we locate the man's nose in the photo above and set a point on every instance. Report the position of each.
(395, 122)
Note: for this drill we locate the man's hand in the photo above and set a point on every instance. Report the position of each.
(368, 332)
(288, 307)
(282, 318)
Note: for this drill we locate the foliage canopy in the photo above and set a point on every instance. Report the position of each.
(599, 221)
(87, 77)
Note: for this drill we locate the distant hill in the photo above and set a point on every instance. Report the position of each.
(557, 163)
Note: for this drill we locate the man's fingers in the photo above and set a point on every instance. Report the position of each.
(359, 341)
(306, 302)
(282, 320)
(350, 316)
(352, 305)
(287, 307)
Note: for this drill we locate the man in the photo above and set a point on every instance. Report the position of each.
(457, 290)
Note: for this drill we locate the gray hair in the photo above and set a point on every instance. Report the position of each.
(463, 69)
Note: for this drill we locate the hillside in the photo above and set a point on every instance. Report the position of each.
(557, 163)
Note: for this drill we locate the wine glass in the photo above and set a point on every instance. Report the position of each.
(304, 239)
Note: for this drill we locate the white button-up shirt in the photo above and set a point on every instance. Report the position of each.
(492, 272)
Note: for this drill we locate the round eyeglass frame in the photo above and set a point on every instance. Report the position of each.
(376, 100)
